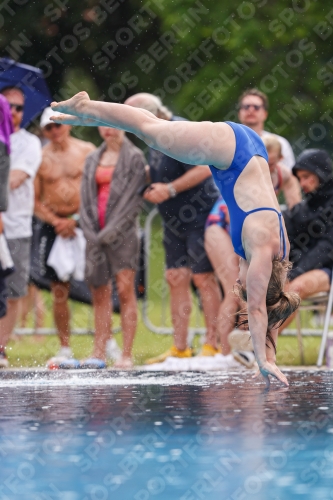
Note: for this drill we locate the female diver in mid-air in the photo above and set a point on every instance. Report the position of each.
(238, 161)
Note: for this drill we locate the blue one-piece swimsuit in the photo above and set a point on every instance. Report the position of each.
(248, 144)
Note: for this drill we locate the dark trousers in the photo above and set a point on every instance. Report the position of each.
(4, 175)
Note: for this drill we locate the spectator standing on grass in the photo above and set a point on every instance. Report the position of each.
(57, 202)
(310, 226)
(184, 195)
(6, 129)
(113, 176)
(253, 112)
(25, 158)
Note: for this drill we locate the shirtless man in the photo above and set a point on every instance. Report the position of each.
(57, 200)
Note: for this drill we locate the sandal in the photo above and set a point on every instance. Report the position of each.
(93, 363)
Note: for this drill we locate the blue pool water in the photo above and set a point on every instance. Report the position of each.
(187, 436)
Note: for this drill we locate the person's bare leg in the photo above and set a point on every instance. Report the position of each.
(7, 323)
(306, 285)
(39, 306)
(226, 265)
(22, 314)
(128, 314)
(79, 110)
(181, 304)
(39, 311)
(24, 309)
(33, 302)
(60, 292)
(101, 298)
(210, 299)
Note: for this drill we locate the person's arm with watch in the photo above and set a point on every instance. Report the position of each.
(159, 192)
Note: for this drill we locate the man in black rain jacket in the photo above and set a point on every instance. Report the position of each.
(309, 226)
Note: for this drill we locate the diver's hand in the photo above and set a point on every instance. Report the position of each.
(269, 368)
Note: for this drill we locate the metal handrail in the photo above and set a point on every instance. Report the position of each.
(326, 325)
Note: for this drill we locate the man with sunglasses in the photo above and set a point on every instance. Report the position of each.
(25, 158)
(57, 202)
(253, 112)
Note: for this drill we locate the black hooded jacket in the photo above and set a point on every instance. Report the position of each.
(310, 223)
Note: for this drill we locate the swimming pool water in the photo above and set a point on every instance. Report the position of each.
(186, 436)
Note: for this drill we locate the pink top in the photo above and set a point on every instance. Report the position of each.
(104, 174)
(6, 124)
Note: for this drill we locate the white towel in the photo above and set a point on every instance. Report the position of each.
(67, 257)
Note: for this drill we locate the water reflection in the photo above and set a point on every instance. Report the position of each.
(185, 436)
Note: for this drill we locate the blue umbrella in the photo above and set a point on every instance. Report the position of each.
(31, 81)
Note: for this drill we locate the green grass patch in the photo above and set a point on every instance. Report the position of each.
(29, 352)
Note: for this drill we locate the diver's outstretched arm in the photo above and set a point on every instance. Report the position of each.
(257, 280)
(190, 142)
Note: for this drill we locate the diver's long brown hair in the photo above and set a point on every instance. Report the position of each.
(280, 305)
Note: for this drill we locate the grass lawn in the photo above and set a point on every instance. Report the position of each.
(33, 351)
(29, 352)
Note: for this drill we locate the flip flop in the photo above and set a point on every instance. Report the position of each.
(69, 364)
(93, 363)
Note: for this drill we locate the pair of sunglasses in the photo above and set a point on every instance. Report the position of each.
(50, 126)
(18, 107)
(248, 106)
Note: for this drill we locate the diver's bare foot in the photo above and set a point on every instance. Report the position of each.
(73, 106)
(124, 363)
